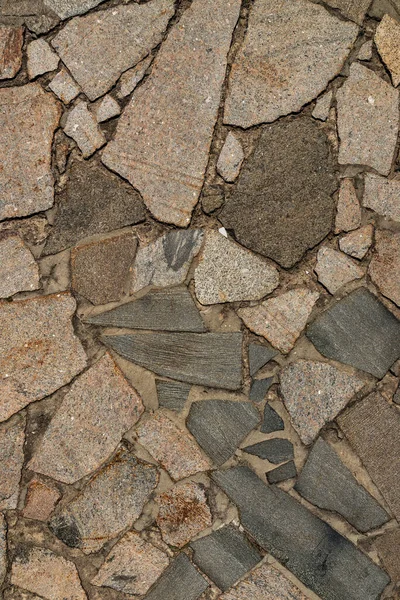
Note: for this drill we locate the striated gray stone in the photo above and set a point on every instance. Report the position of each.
(334, 269)
(172, 394)
(18, 269)
(264, 583)
(259, 388)
(180, 581)
(12, 439)
(41, 58)
(64, 86)
(259, 356)
(231, 158)
(382, 195)
(131, 78)
(82, 127)
(358, 242)
(276, 450)
(11, 42)
(69, 8)
(272, 421)
(282, 473)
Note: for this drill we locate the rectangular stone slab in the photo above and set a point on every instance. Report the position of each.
(180, 581)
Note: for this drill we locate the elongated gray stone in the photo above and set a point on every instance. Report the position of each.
(272, 421)
(286, 471)
(276, 450)
(314, 552)
(180, 581)
(259, 356)
(172, 394)
(210, 359)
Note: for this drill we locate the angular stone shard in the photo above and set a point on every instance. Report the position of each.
(69, 8)
(28, 119)
(82, 127)
(231, 158)
(365, 52)
(18, 269)
(322, 107)
(40, 501)
(335, 269)
(12, 438)
(290, 53)
(64, 87)
(38, 349)
(272, 421)
(315, 553)
(264, 583)
(326, 482)
(172, 394)
(276, 450)
(358, 242)
(11, 42)
(359, 331)
(387, 40)
(384, 268)
(382, 195)
(181, 581)
(387, 546)
(107, 109)
(314, 393)
(41, 58)
(281, 205)
(219, 426)
(3, 548)
(210, 359)
(282, 473)
(368, 120)
(164, 155)
(131, 78)
(259, 388)
(348, 215)
(259, 356)
(353, 9)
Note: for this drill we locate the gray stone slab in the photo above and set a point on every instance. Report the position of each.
(180, 581)
(210, 359)
(225, 556)
(172, 394)
(359, 331)
(276, 450)
(69, 8)
(281, 473)
(326, 482)
(259, 388)
(219, 426)
(321, 558)
(259, 356)
(272, 421)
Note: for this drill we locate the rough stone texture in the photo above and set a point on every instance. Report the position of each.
(396, 397)
(69, 8)
(64, 87)
(357, 243)
(107, 109)
(326, 482)
(353, 9)
(259, 356)
(12, 438)
(387, 546)
(282, 204)
(348, 215)
(166, 261)
(42, 572)
(38, 349)
(89, 424)
(172, 446)
(132, 566)
(40, 500)
(81, 126)
(384, 268)
(282, 319)
(164, 155)
(282, 473)
(212, 198)
(290, 53)
(368, 120)
(18, 269)
(272, 421)
(209, 359)
(28, 118)
(335, 269)
(225, 556)
(264, 583)
(365, 52)
(181, 581)
(228, 273)
(33, 13)
(110, 502)
(11, 41)
(100, 269)
(183, 513)
(359, 331)
(387, 40)
(315, 553)
(231, 158)
(14, 593)
(41, 58)
(172, 394)
(322, 107)
(3, 548)
(131, 78)
(259, 388)
(382, 195)
(276, 450)
(314, 393)
(372, 427)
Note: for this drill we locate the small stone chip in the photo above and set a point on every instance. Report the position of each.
(272, 421)
(259, 356)
(382, 195)
(276, 450)
(172, 394)
(180, 581)
(40, 500)
(107, 109)
(348, 216)
(131, 78)
(264, 583)
(18, 269)
(41, 58)
(12, 438)
(282, 473)
(82, 127)
(11, 42)
(230, 159)
(322, 107)
(387, 40)
(384, 268)
(335, 269)
(358, 242)
(64, 87)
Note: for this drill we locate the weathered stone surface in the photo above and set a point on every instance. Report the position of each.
(131, 78)
(181, 581)
(100, 269)
(382, 195)
(259, 388)
(171, 309)
(172, 394)
(28, 118)
(348, 215)
(69, 8)
(326, 482)
(18, 269)
(228, 273)
(282, 473)
(314, 393)
(42, 572)
(89, 424)
(39, 351)
(372, 427)
(387, 40)
(82, 127)
(64, 86)
(3, 548)
(210, 359)
(387, 546)
(11, 41)
(231, 158)
(272, 421)
(358, 242)
(166, 261)
(335, 269)
(315, 553)
(359, 331)
(212, 198)
(276, 450)
(41, 58)
(111, 501)
(282, 204)
(365, 52)
(33, 13)
(183, 513)
(368, 120)
(259, 356)
(322, 107)
(220, 426)
(16, 593)
(353, 9)
(264, 583)
(225, 556)
(107, 109)
(12, 438)
(40, 500)
(290, 53)
(164, 155)
(396, 397)
(132, 566)
(384, 268)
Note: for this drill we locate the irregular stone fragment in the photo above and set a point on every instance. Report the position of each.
(210, 359)
(365, 52)
(379, 8)
(112, 500)
(282, 473)
(12, 438)
(290, 53)
(18, 269)
(225, 556)
(335, 269)
(219, 426)
(387, 546)
(100, 269)
(322, 107)
(348, 215)
(314, 393)
(38, 349)
(272, 421)
(231, 158)
(382, 195)
(41, 58)
(264, 583)
(282, 319)
(82, 127)
(315, 553)
(358, 242)
(69, 8)
(213, 197)
(107, 109)
(183, 513)
(326, 482)
(353, 9)
(259, 388)
(229, 273)
(131, 78)
(372, 427)
(3, 548)
(172, 394)
(387, 40)
(259, 356)
(368, 120)
(64, 87)
(28, 119)
(384, 268)
(11, 41)
(15, 593)
(276, 450)
(359, 331)
(42, 572)
(164, 155)
(40, 501)
(181, 581)
(281, 204)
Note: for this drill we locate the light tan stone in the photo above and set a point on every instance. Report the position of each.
(382, 195)
(40, 500)
(384, 268)
(348, 215)
(322, 107)
(264, 583)
(12, 438)
(131, 78)
(107, 109)
(82, 126)
(358, 242)
(365, 52)
(64, 87)
(11, 41)
(335, 269)
(18, 269)
(231, 158)
(387, 40)
(41, 58)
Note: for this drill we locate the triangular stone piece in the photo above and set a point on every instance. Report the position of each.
(259, 356)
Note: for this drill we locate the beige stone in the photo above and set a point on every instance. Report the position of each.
(18, 269)
(365, 52)
(64, 87)
(264, 583)
(348, 215)
(382, 195)
(11, 41)
(384, 268)
(387, 40)
(107, 109)
(358, 242)
(12, 438)
(82, 126)
(131, 78)
(40, 500)
(231, 158)
(41, 58)
(322, 107)
(388, 546)
(335, 269)
(3, 548)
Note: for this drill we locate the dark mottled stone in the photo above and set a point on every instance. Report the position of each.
(281, 473)
(219, 426)
(180, 581)
(359, 331)
(259, 388)
(282, 204)
(259, 356)
(272, 421)
(321, 558)
(276, 450)
(172, 394)
(225, 556)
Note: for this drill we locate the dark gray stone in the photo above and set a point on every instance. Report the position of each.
(210, 359)
(225, 556)
(314, 552)
(359, 331)
(170, 309)
(276, 450)
(259, 356)
(180, 581)
(281, 473)
(172, 394)
(272, 421)
(219, 426)
(259, 388)
(326, 482)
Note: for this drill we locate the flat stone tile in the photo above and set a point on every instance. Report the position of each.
(65, 87)
(387, 40)
(259, 389)
(352, 9)
(348, 212)
(387, 546)
(11, 42)
(172, 394)
(358, 242)
(231, 158)
(272, 421)
(276, 450)
(40, 500)
(81, 126)
(382, 196)
(18, 269)
(69, 8)
(260, 355)
(334, 269)
(384, 268)
(181, 581)
(264, 583)
(322, 107)
(12, 438)
(282, 473)
(3, 548)
(41, 58)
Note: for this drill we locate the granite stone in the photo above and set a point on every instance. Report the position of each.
(82, 127)
(352, 9)
(107, 109)
(259, 389)
(334, 269)
(358, 242)
(172, 394)
(32, 13)
(18, 269)
(348, 212)
(382, 196)
(40, 500)
(322, 107)
(3, 548)
(272, 421)
(387, 41)
(64, 86)
(365, 52)
(264, 583)
(41, 58)
(11, 42)
(384, 268)
(259, 356)
(282, 473)
(180, 581)
(387, 546)
(230, 159)
(69, 8)
(131, 78)
(276, 450)
(12, 439)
